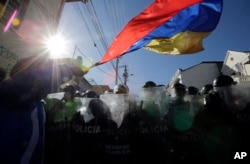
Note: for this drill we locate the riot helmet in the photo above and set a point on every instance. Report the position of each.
(69, 92)
(223, 81)
(90, 94)
(191, 90)
(178, 90)
(149, 84)
(69, 88)
(206, 88)
(78, 94)
(120, 89)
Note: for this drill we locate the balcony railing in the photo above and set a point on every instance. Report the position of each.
(241, 79)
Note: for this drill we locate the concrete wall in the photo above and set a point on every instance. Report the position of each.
(200, 75)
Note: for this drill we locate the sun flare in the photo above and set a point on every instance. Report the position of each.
(56, 45)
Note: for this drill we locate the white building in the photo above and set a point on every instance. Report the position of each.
(237, 64)
(197, 75)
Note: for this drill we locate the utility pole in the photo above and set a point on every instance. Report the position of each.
(125, 74)
(116, 71)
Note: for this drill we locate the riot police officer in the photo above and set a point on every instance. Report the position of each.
(222, 135)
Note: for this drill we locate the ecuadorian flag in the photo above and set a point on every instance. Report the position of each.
(170, 27)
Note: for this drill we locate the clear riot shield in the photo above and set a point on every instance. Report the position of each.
(118, 104)
(58, 95)
(52, 105)
(154, 101)
(236, 97)
(196, 103)
(59, 110)
(83, 108)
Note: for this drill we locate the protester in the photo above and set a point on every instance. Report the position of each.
(22, 115)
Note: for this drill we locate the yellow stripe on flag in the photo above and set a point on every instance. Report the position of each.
(183, 43)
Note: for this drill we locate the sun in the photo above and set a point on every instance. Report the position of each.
(56, 45)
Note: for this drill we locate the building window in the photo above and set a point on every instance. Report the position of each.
(8, 7)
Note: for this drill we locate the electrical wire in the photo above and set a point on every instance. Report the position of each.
(98, 28)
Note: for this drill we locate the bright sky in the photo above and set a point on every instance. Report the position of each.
(90, 37)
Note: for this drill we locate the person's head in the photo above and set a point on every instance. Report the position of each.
(230, 93)
(120, 89)
(78, 93)
(90, 94)
(69, 92)
(191, 90)
(223, 81)
(148, 89)
(99, 109)
(222, 84)
(149, 84)
(206, 89)
(178, 91)
(192, 94)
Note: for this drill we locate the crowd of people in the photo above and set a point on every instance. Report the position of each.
(186, 125)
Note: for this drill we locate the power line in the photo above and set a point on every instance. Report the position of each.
(90, 33)
(113, 12)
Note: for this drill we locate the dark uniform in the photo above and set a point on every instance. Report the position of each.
(58, 142)
(223, 137)
(90, 138)
(186, 138)
(152, 140)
